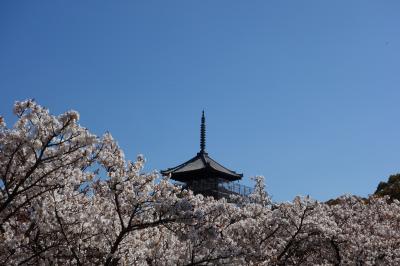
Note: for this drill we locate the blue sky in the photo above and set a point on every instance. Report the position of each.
(305, 93)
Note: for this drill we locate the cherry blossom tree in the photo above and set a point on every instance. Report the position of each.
(42, 156)
(56, 206)
(68, 197)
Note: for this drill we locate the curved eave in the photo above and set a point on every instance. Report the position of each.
(199, 166)
(201, 173)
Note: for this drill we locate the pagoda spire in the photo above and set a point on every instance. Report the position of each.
(203, 133)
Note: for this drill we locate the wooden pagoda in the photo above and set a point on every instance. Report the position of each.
(204, 175)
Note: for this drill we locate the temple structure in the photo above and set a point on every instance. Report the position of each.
(204, 175)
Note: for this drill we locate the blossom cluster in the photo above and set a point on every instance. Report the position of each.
(68, 197)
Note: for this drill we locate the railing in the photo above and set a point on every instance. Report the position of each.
(217, 188)
(236, 188)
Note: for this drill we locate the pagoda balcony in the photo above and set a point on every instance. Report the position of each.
(217, 188)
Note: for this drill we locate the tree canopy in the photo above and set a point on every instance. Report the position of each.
(390, 188)
(68, 197)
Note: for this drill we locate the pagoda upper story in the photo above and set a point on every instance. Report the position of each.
(204, 175)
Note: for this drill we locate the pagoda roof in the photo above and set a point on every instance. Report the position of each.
(200, 166)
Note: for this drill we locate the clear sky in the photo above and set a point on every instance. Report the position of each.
(305, 93)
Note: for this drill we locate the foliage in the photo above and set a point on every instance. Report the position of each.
(390, 188)
(58, 208)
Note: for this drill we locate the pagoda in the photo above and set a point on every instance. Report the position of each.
(204, 175)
